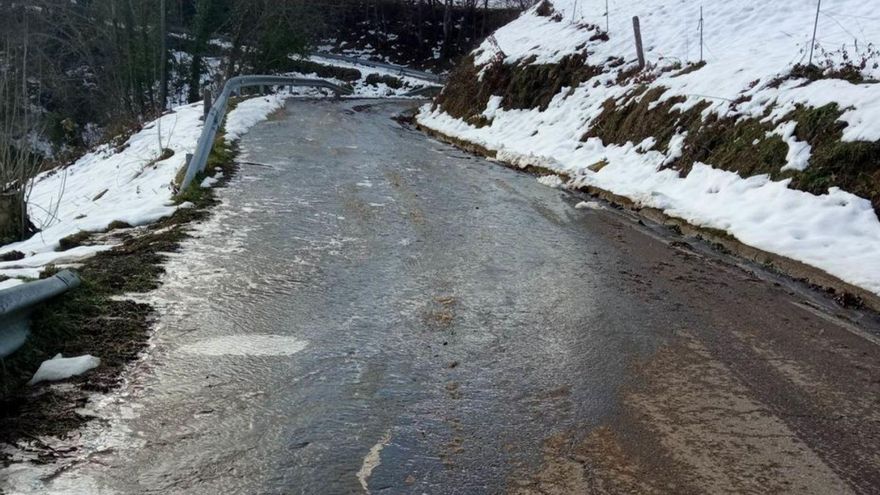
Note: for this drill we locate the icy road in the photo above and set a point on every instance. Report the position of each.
(373, 311)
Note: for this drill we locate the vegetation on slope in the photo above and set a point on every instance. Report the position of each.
(746, 145)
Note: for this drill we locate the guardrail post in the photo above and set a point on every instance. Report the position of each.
(207, 104)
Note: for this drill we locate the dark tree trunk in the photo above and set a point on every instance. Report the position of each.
(14, 224)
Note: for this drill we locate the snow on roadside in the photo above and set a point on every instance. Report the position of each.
(132, 185)
(837, 232)
(250, 112)
(62, 368)
(751, 46)
(380, 90)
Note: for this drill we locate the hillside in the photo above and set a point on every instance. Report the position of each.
(751, 142)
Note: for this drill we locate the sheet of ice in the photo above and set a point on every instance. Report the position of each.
(62, 368)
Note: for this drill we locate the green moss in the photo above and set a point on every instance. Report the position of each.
(221, 158)
(853, 166)
(534, 86)
(736, 145)
(848, 72)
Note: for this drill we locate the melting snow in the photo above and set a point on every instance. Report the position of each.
(747, 46)
(62, 368)
(247, 345)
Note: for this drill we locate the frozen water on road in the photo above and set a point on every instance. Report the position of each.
(426, 333)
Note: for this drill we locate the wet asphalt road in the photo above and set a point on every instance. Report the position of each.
(371, 310)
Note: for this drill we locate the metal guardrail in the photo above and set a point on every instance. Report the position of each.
(215, 116)
(399, 69)
(17, 302)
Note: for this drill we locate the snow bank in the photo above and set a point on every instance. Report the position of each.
(748, 46)
(62, 368)
(251, 112)
(132, 184)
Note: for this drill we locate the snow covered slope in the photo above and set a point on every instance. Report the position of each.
(751, 83)
(132, 184)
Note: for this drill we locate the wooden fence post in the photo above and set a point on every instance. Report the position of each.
(207, 104)
(639, 50)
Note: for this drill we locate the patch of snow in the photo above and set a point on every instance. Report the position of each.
(492, 107)
(372, 460)
(516, 40)
(589, 205)
(798, 155)
(73, 255)
(247, 345)
(12, 282)
(208, 182)
(362, 89)
(551, 180)
(62, 368)
(676, 148)
(251, 112)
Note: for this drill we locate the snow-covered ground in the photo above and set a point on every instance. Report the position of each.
(747, 45)
(362, 88)
(131, 184)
